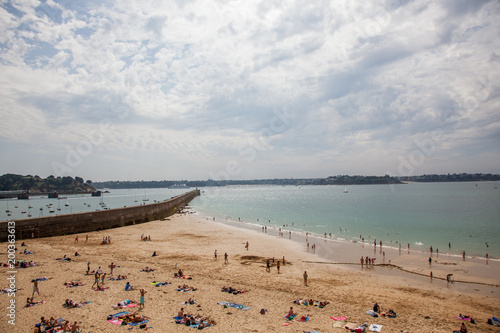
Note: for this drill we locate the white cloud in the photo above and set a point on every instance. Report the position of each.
(198, 80)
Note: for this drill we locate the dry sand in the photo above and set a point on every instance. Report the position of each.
(187, 242)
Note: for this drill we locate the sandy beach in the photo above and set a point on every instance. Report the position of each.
(188, 243)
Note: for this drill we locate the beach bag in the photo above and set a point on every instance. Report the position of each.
(37, 329)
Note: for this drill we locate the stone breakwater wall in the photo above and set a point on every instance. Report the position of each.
(94, 221)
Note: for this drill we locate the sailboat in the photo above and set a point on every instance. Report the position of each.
(145, 198)
(345, 189)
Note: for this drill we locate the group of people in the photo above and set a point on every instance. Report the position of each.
(311, 302)
(53, 323)
(367, 261)
(105, 240)
(198, 320)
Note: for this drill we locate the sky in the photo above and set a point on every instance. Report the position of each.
(243, 89)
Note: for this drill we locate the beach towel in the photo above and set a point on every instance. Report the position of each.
(30, 305)
(339, 318)
(140, 323)
(102, 289)
(339, 324)
(115, 321)
(303, 319)
(463, 318)
(157, 284)
(234, 305)
(71, 286)
(187, 277)
(372, 313)
(120, 313)
(351, 326)
(287, 317)
(375, 328)
(130, 306)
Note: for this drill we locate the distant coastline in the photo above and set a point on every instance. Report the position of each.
(331, 180)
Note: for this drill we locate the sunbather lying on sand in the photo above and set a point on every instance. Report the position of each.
(70, 303)
(123, 304)
(30, 302)
(132, 318)
(73, 284)
(147, 269)
(232, 290)
(185, 288)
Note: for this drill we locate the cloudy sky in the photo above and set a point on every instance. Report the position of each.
(153, 90)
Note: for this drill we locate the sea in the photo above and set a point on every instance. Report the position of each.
(451, 217)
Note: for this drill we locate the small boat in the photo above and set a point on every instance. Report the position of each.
(66, 204)
(345, 190)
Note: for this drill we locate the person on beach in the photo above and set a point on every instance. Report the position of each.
(463, 255)
(291, 314)
(376, 308)
(76, 239)
(430, 261)
(111, 267)
(99, 270)
(35, 288)
(102, 278)
(180, 314)
(268, 266)
(87, 239)
(225, 258)
(246, 246)
(361, 261)
(463, 328)
(283, 261)
(88, 267)
(305, 278)
(154, 254)
(96, 280)
(278, 266)
(75, 328)
(431, 275)
(215, 255)
(141, 301)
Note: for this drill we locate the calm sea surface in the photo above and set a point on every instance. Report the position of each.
(421, 214)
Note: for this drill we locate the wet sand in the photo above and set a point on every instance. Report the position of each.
(187, 242)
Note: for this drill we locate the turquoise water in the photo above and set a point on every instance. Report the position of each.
(421, 214)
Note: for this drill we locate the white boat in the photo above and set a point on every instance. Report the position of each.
(178, 186)
(345, 190)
